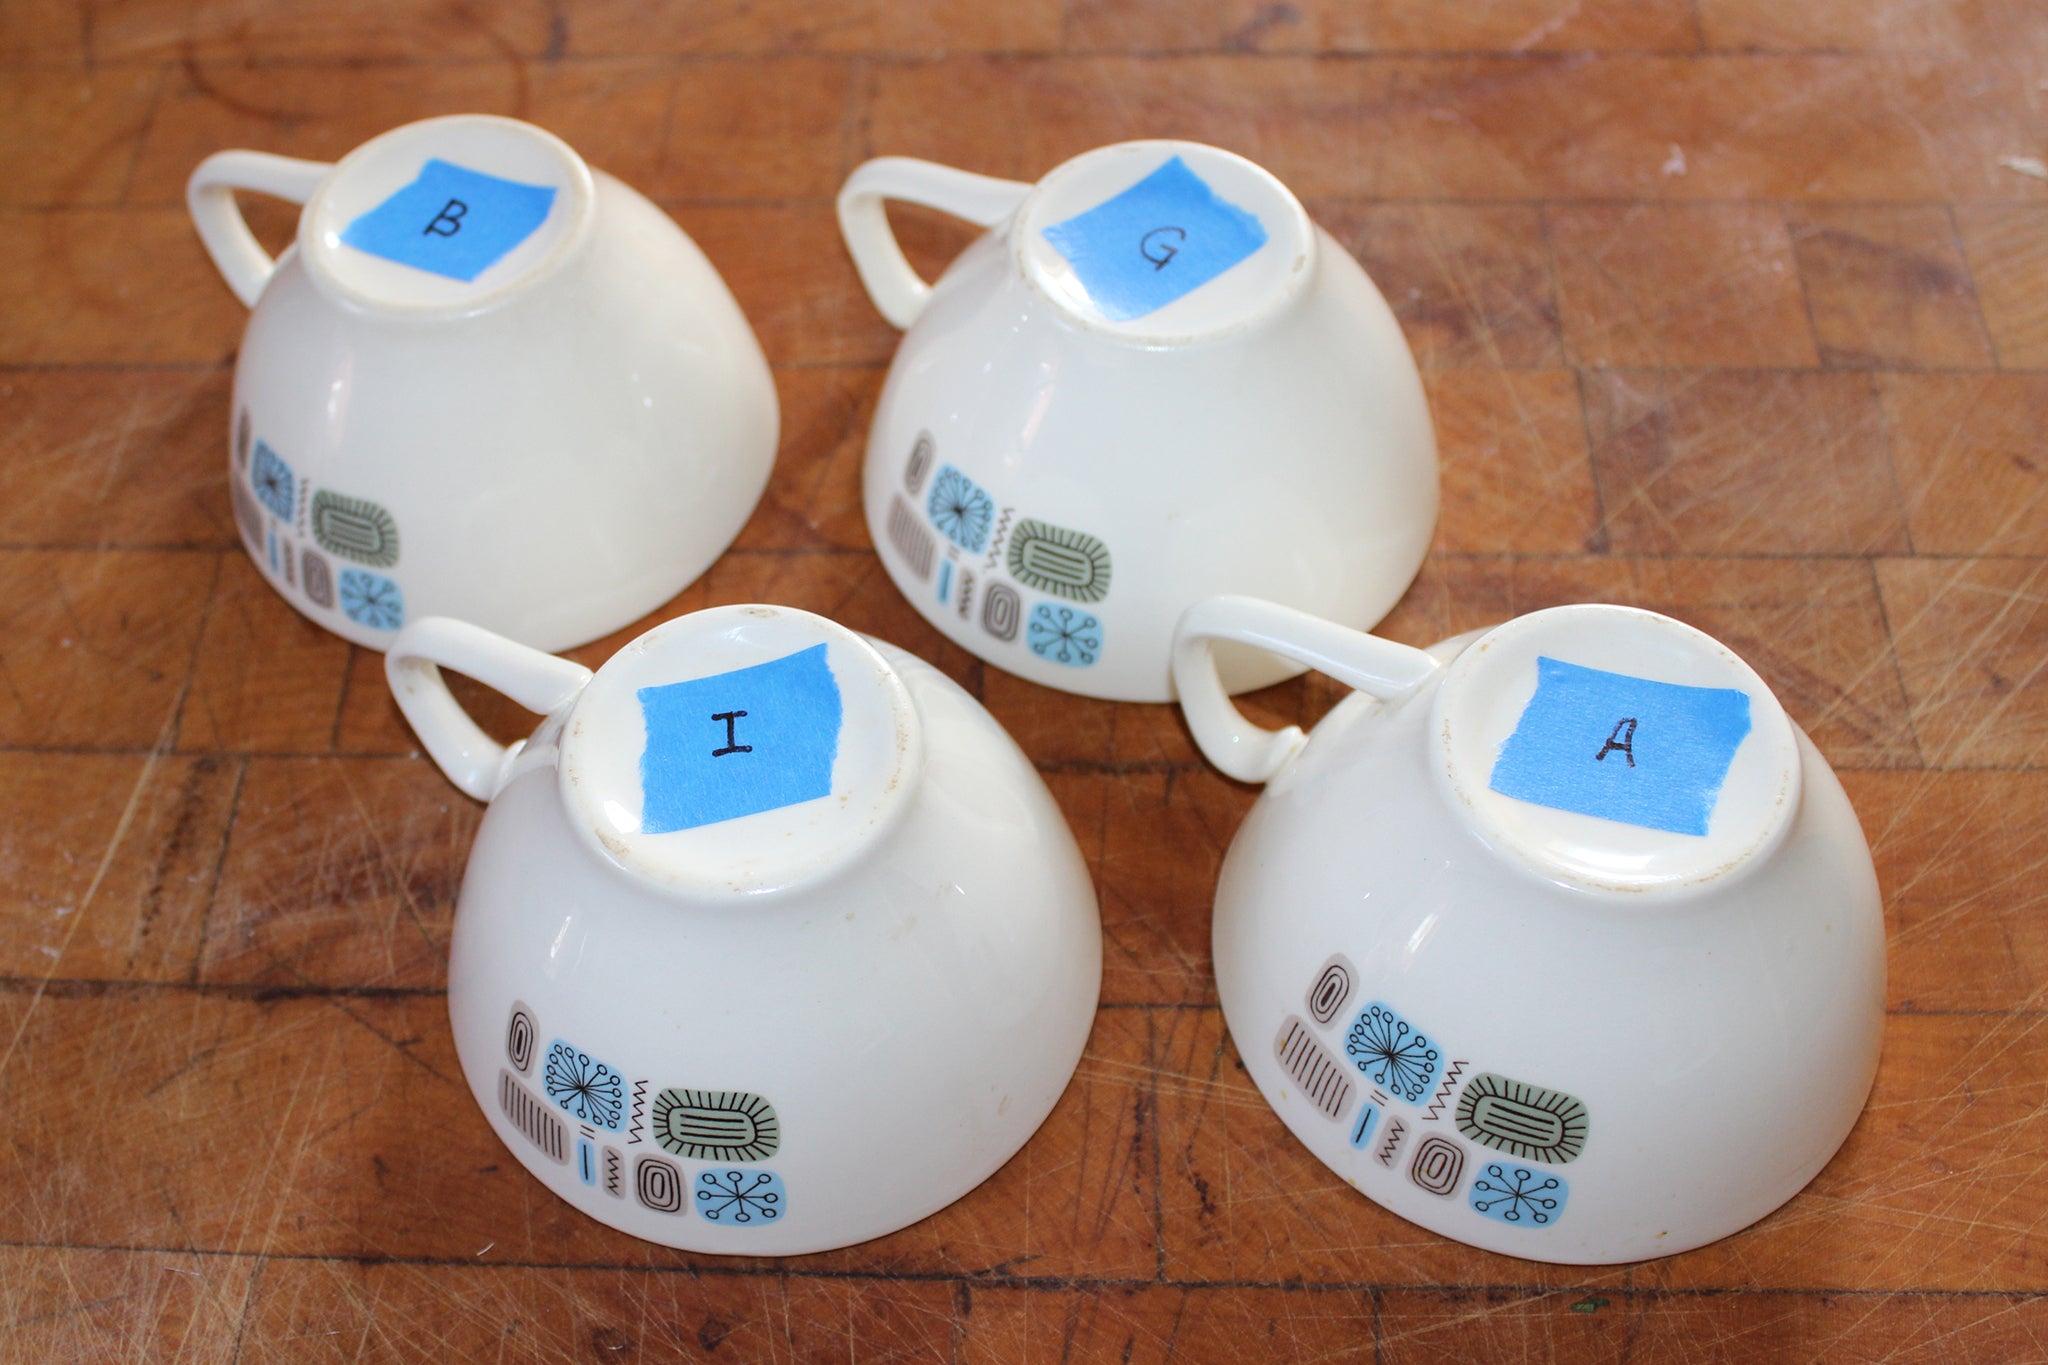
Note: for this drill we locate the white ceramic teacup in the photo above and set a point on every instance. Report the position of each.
(771, 941)
(1153, 380)
(486, 381)
(1560, 939)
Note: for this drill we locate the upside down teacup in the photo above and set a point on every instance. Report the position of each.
(1559, 939)
(1152, 380)
(771, 940)
(485, 381)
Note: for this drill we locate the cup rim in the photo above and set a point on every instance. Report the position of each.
(1548, 846)
(1025, 258)
(724, 860)
(580, 191)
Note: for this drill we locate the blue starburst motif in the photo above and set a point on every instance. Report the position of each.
(1393, 1053)
(1065, 635)
(272, 479)
(961, 510)
(741, 1197)
(1508, 1193)
(372, 600)
(584, 1086)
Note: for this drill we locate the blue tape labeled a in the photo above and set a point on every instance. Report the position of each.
(1645, 753)
(738, 743)
(1165, 236)
(452, 220)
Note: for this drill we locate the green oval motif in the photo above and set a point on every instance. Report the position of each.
(1523, 1120)
(1069, 564)
(354, 528)
(716, 1125)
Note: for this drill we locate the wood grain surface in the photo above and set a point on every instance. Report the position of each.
(1737, 309)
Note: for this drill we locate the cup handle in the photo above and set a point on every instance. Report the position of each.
(210, 196)
(899, 293)
(1246, 751)
(472, 759)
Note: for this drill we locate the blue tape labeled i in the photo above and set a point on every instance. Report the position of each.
(739, 743)
(1623, 748)
(1164, 237)
(452, 221)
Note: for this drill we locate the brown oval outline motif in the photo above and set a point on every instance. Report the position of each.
(659, 1184)
(1438, 1165)
(521, 1033)
(1331, 991)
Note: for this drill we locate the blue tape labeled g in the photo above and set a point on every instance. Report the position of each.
(738, 743)
(452, 221)
(1622, 748)
(1165, 236)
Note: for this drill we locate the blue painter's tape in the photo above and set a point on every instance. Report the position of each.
(1645, 753)
(739, 743)
(1368, 1119)
(1165, 236)
(452, 221)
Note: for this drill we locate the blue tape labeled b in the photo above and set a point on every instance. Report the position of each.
(738, 743)
(452, 221)
(1164, 237)
(1622, 748)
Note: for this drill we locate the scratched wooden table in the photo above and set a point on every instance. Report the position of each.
(1737, 309)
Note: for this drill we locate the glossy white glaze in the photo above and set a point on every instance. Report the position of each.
(1265, 434)
(912, 1016)
(1721, 1033)
(562, 445)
